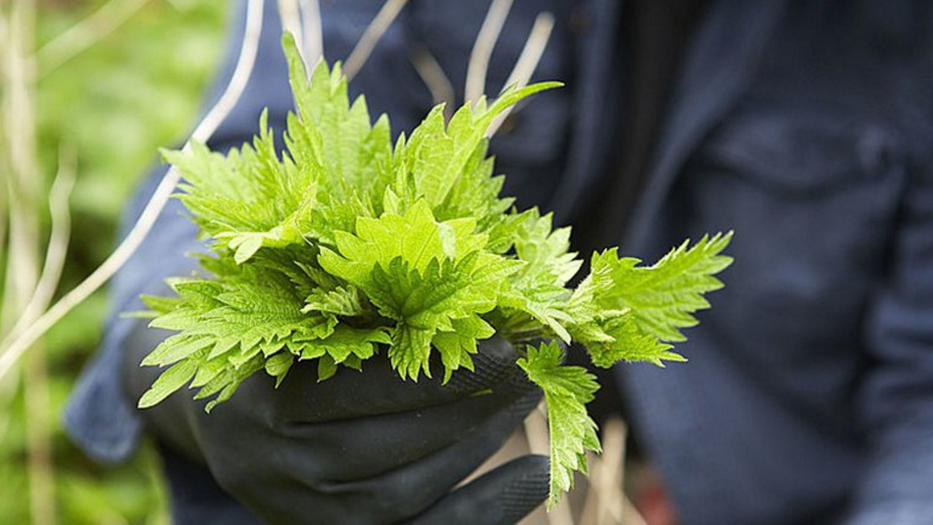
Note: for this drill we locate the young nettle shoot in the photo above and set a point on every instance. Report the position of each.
(347, 245)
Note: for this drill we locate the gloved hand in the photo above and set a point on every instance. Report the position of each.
(359, 448)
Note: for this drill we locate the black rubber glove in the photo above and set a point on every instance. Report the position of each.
(359, 448)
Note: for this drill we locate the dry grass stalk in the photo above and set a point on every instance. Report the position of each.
(433, 76)
(22, 278)
(13, 348)
(527, 62)
(290, 14)
(606, 502)
(312, 31)
(482, 50)
(85, 34)
(371, 36)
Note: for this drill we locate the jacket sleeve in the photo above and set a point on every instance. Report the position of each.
(895, 399)
(100, 417)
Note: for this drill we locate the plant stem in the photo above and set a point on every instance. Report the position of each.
(527, 62)
(22, 277)
(482, 49)
(13, 348)
(85, 34)
(374, 31)
(431, 72)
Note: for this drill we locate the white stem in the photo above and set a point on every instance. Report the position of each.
(290, 15)
(527, 62)
(12, 350)
(482, 49)
(431, 72)
(313, 33)
(531, 53)
(374, 31)
(23, 175)
(85, 33)
(605, 498)
(58, 243)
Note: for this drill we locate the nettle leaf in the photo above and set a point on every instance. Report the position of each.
(345, 245)
(457, 345)
(663, 296)
(328, 133)
(415, 238)
(343, 344)
(168, 382)
(343, 301)
(426, 302)
(539, 288)
(247, 199)
(625, 311)
(567, 390)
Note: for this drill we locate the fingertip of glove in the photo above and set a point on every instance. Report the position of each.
(528, 488)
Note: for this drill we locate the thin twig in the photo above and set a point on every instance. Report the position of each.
(85, 33)
(36, 387)
(12, 350)
(605, 499)
(8, 389)
(536, 430)
(22, 270)
(482, 49)
(22, 258)
(431, 72)
(313, 32)
(290, 15)
(58, 242)
(527, 62)
(372, 34)
(39, 440)
(532, 51)
(4, 130)
(21, 187)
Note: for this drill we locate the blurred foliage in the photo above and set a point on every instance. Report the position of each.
(133, 91)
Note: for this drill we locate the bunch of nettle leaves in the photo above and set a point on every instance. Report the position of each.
(347, 246)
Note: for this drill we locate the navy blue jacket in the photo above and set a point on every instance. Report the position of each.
(805, 126)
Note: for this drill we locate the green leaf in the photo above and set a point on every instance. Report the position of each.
(343, 301)
(414, 238)
(170, 381)
(662, 297)
(539, 288)
(623, 311)
(441, 160)
(567, 390)
(343, 343)
(248, 199)
(326, 368)
(457, 345)
(278, 366)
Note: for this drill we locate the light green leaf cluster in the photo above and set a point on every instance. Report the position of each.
(346, 245)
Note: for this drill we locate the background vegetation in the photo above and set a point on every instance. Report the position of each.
(100, 93)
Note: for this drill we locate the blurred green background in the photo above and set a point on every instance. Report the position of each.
(112, 89)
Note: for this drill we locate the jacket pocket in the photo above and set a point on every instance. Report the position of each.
(798, 156)
(813, 200)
